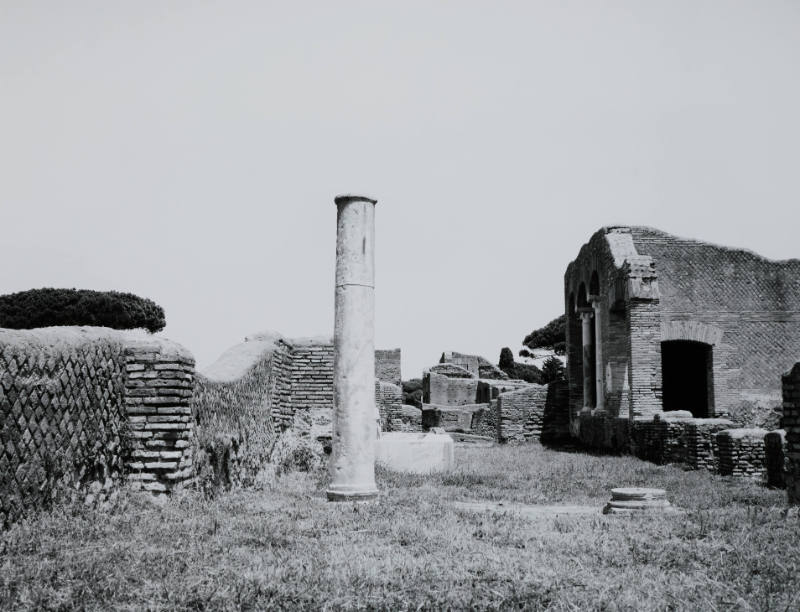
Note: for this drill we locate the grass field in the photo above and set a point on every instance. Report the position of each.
(282, 546)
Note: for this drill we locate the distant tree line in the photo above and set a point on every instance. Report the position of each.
(552, 369)
(57, 307)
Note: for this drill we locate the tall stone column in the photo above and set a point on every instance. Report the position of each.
(599, 373)
(352, 463)
(588, 356)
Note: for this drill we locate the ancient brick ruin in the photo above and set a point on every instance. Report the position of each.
(82, 409)
(693, 333)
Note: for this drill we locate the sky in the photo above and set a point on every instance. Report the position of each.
(190, 152)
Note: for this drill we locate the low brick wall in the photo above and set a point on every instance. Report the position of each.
(389, 399)
(689, 441)
(791, 423)
(741, 452)
(84, 408)
(666, 438)
(387, 366)
(520, 414)
(775, 457)
(533, 412)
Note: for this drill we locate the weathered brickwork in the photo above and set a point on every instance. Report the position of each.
(236, 416)
(81, 409)
(387, 366)
(61, 418)
(651, 287)
(389, 399)
(158, 394)
(289, 380)
(520, 414)
(688, 441)
(742, 453)
(733, 310)
(791, 424)
(312, 389)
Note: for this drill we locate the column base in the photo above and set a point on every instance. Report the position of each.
(351, 494)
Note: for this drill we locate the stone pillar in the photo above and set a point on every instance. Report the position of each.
(353, 458)
(588, 356)
(599, 372)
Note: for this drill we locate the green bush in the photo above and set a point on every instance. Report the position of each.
(57, 307)
(294, 453)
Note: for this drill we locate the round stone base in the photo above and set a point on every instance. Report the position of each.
(637, 499)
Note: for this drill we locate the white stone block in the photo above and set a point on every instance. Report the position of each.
(416, 453)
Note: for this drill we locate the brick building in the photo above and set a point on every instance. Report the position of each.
(657, 324)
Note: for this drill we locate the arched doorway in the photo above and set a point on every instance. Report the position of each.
(687, 377)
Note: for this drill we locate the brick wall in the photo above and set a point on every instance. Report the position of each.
(753, 303)
(82, 408)
(238, 413)
(742, 453)
(387, 366)
(312, 389)
(389, 399)
(688, 441)
(289, 379)
(158, 394)
(791, 424)
(654, 287)
(520, 414)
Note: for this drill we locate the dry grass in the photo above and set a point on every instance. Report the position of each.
(284, 546)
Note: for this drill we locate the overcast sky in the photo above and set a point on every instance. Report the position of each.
(190, 152)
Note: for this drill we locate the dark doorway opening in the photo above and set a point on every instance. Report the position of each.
(686, 375)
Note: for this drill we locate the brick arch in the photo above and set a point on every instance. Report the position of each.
(691, 330)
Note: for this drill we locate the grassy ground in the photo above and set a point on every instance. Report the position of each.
(285, 547)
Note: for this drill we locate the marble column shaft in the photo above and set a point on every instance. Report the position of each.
(352, 462)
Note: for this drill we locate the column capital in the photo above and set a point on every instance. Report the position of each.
(586, 313)
(347, 198)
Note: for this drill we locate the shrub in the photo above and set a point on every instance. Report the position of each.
(506, 359)
(412, 392)
(552, 336)
(552, 370)
(56, 307)
(294, 453)
(528, 372)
